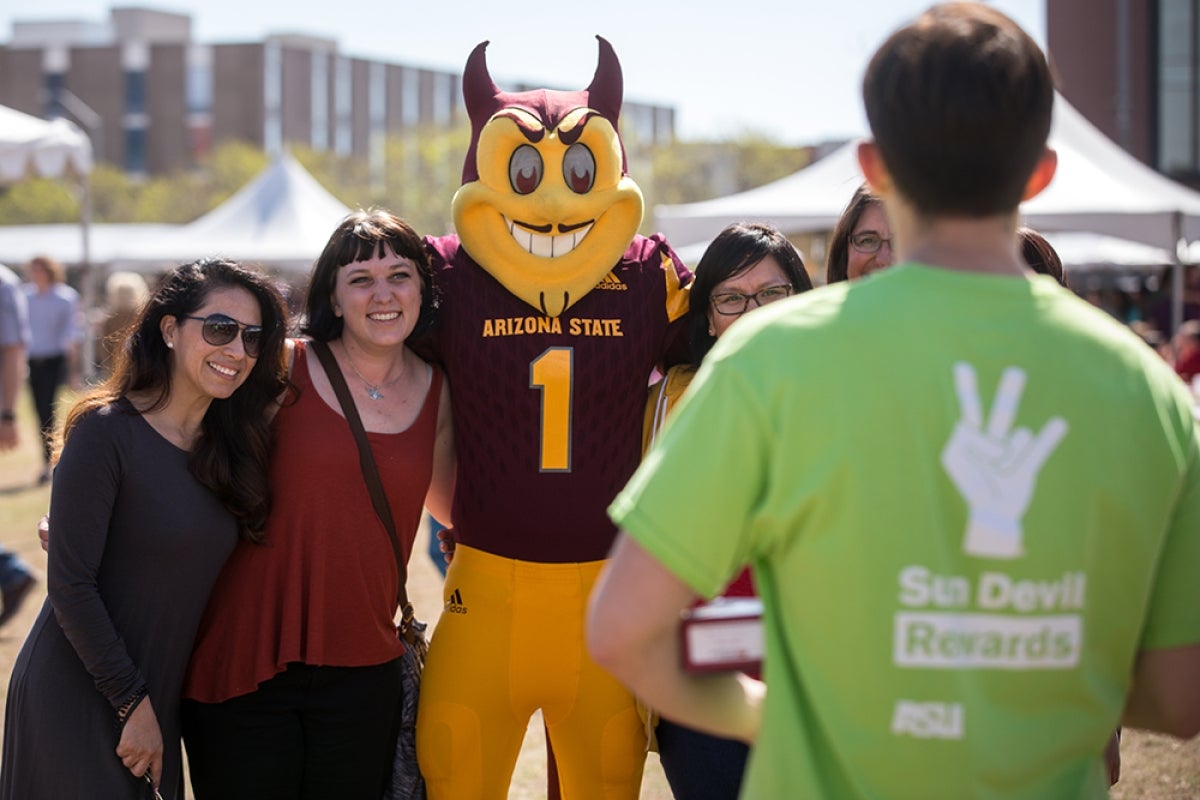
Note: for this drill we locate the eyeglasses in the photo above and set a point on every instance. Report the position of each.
(150, 780)
(733, 303)
(869, 242)
(219, 329)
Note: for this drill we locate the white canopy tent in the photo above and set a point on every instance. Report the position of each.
(281, 219)
(1098, 188)
(61, 241)
(36, 148)
(1080, 252)
(32, 147)
(1085, 252)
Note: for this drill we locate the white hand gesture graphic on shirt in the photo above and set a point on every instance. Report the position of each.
(994, 469)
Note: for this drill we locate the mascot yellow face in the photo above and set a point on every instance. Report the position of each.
(545, 206)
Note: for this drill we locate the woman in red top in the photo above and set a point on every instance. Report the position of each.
(294, 682)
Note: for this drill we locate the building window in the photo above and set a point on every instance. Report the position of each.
(1179, 87)
(135, 92)
(199, 85)
(54, 82)
(410, 97)
(135, 150)
(343, 106)
(272, 99)
(320, 101)
(443, 100)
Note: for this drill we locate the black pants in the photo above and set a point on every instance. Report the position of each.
(45, 376)
(309, 733)
(699, 766)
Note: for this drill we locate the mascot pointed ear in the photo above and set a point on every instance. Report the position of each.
(608, 84)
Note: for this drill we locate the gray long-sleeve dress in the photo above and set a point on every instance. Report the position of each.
(136, 545)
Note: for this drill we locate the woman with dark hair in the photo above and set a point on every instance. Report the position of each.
(295, 679)
(1041, 257)
(160, 470)
(862, 239)
(747, 266)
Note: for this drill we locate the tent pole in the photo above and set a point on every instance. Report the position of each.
(88, 280)
(1177, 272)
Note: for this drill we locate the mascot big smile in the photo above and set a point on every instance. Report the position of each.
(554, 313)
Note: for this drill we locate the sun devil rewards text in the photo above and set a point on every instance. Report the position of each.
(991, 622)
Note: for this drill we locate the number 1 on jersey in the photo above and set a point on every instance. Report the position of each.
(552, 372)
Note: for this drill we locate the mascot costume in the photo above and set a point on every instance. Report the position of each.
(554, 314)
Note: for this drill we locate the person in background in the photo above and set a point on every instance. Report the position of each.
(294, 683)
(441, 544)
(861, 242)
(893, 541)
(1153, 338)
(747, 266)
(54, 342)
(16, 579)
(124, 295)
(1040, 255)
(160, 470)
(1186, 345)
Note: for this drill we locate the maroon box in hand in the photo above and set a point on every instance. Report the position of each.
(725, 635)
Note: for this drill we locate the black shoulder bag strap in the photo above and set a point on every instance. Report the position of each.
(366, 460)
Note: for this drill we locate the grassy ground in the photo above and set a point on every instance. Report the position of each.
(1154, 767)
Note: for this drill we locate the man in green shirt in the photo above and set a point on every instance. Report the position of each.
(971, 502)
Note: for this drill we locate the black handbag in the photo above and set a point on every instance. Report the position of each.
(406, 782)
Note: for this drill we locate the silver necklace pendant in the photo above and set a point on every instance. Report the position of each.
(374, 393)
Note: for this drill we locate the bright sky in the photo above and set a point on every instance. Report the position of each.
(786, 68)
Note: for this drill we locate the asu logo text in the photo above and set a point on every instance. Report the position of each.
(928, 720)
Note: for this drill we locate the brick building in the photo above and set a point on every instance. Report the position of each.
(1132, 67)
(154, 100)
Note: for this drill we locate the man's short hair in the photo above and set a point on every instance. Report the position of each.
(959, 103)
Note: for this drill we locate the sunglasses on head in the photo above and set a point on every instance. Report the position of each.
(219, 329)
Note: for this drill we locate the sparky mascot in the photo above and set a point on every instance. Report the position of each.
(554, 314)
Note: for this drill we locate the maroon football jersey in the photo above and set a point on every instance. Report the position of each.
(548, 411)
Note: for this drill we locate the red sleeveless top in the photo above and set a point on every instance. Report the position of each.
(322, 588)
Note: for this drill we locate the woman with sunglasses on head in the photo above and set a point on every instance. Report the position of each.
(160, 471)
(295, 679)
(748, 265)
(862, 239)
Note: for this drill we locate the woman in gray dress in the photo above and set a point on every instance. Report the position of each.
(160, 470)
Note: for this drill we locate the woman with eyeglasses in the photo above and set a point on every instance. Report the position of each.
(159, 472)
(295, 679)
(862, 239)
(748, 265)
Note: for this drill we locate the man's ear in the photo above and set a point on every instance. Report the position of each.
(1043, 173)
(870, 161)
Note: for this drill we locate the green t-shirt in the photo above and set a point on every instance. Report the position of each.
(968, 501)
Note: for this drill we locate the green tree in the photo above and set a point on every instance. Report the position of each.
(39, 200)
(687, 172)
